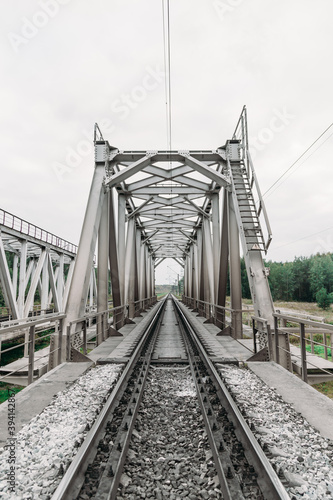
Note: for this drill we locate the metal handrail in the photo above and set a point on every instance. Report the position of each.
(241, 133)
(303, 340)
(11, 221)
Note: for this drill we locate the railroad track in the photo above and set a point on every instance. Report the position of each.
(241, 466)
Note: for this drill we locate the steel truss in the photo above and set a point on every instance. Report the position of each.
(40, 261)
(192, 206)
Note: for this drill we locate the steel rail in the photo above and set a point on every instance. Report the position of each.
(270, 484)
(70, 484)
(230, 487)
(108, 486)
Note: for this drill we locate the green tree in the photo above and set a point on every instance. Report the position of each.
(324, 299)
(301, 270)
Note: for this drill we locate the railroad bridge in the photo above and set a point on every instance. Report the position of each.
(197, 373)
(200, 208)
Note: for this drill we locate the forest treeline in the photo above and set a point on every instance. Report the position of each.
(301, 280)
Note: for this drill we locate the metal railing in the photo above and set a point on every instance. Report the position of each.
(22, 226)
(100, 325)
(323, 329)
(27, 329)
(222, 317)
(241, 133)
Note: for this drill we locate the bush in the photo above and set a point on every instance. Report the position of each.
(324, 299)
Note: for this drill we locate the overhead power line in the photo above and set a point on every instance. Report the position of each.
(167, 68)
(304, 237)
(301, 156)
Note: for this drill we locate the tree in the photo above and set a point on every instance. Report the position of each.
(301, 270)
(324, 299)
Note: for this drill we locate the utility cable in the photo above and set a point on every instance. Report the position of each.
(304, 237)
(291, 166)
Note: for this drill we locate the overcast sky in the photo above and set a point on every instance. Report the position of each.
(67, 64)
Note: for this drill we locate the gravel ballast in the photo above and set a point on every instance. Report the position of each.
(169, 455)
(44, 448)
(297, 451)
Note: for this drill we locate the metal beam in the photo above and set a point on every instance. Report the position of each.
(128, 171)
(200, 167)
(78, 292)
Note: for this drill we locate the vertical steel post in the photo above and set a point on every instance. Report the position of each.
(235, 271)
(102, 267)
(118, 319)
(60, 339)
(208, 264)
(84, 338)
(130, 267)
(31, 354)
(68, 343)
(45, 287)
(303, 353)
(68, 282)
(195, 278)
(138, 268)
(276, 339)
(199, 272)
(15, 269)
(216, 242)
(121, 243)
(23, 269)
(60, 282)
(224, 256)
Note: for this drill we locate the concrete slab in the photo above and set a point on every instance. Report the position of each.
(316, 408)
(170, 343)
(313, 362)
(219, 346)
(33, 399)
(235, 349)
(104, 349)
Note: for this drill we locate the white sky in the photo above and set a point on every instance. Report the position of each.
(67, 64)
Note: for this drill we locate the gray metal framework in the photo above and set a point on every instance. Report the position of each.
(40, 260)
(193, 206)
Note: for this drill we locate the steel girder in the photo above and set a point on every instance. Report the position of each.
(37, 264)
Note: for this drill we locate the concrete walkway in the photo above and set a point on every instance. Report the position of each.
(316, 408)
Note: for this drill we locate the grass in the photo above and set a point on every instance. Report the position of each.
(4, 390)
(325, 388)
(307, 308)
(13, 355)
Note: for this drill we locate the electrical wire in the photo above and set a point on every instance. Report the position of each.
(296, 161)
(305, 159)
(167, 67)
(304, 237)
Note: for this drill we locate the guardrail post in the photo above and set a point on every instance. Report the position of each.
(255, 330)
(85, 337)
(68, 343)
(270, 343)
(325, 346)
(312, 344)
(31, 354)
(303, 352)
(276, 339)
(60, 323)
